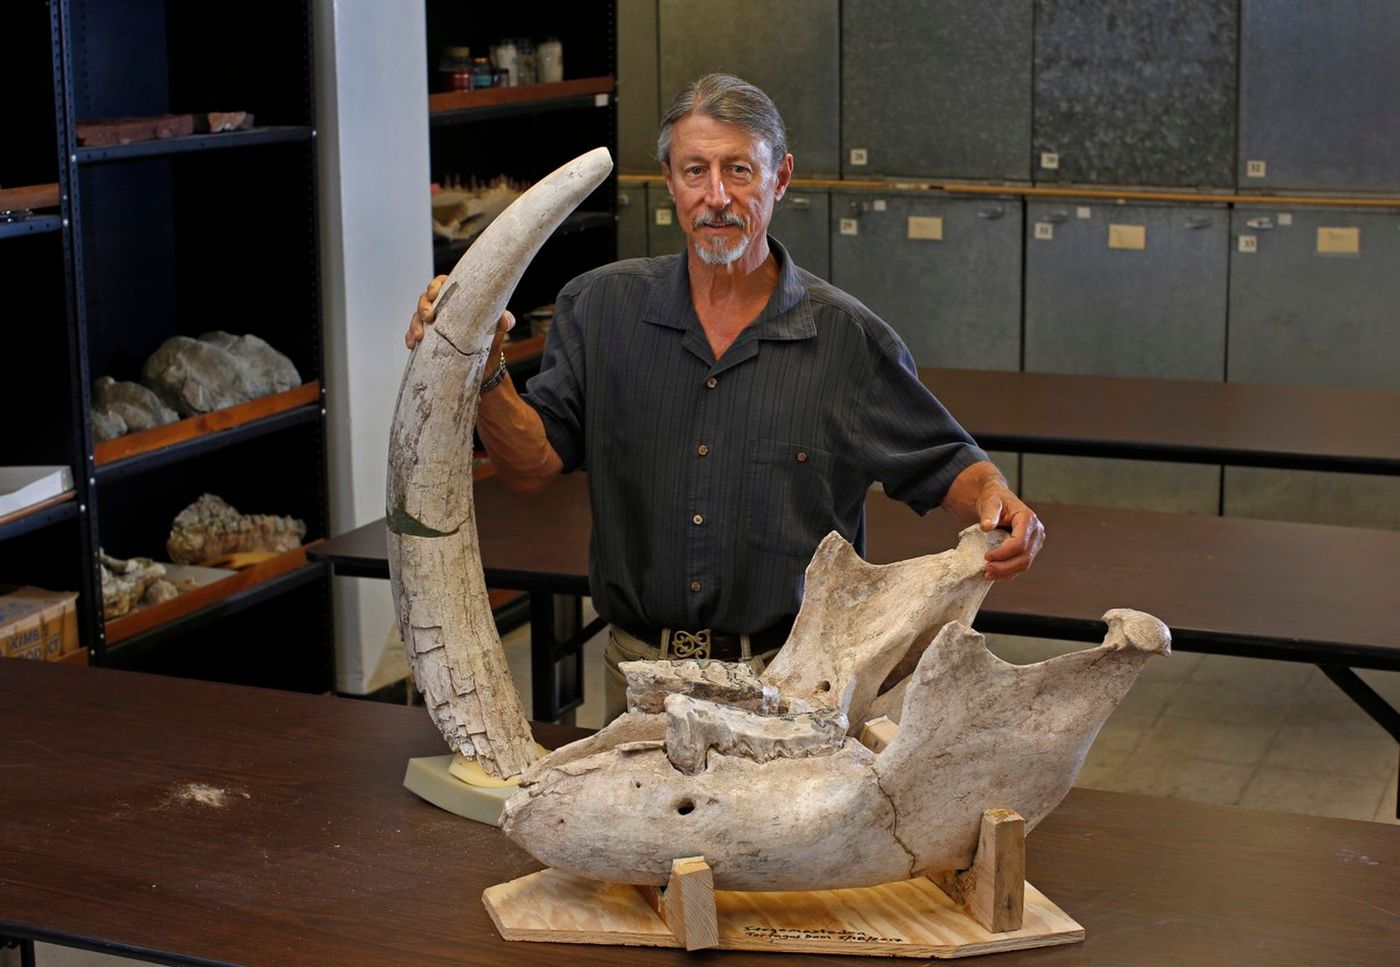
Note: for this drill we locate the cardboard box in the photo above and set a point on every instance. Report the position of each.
(38, 624)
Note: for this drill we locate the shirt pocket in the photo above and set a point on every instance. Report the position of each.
(788, 505)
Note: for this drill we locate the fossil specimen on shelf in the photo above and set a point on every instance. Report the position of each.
(210, 529)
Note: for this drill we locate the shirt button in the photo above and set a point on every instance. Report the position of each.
(697, 519)
(703, 449)
(695, 585)
(711, 383)
(801, 456)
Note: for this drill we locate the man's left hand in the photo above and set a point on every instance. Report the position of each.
(997, 506)
(980, 491)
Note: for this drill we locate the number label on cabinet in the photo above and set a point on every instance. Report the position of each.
(1044, 231)
(850, 226)
(663, 216)
(1249, 243)
(928, 227)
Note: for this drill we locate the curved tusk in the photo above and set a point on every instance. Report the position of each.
(434, 557)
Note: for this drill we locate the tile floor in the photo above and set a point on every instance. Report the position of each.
(1211, 728)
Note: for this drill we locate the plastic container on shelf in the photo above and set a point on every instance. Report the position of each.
(549, 59)
(455, 69)
(503, 56)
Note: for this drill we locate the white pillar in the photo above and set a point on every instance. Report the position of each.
(376, 256)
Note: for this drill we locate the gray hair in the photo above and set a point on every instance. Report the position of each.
(731, 100)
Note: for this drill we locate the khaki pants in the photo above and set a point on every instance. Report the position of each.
(624, 647)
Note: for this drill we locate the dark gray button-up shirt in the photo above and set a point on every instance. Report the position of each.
(712, 482)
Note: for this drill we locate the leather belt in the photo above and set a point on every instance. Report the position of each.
(725, 647)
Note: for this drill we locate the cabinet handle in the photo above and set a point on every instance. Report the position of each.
(1197, 221)
(991, 214)
(1057, 216)
(801, 204)
(1261, 222)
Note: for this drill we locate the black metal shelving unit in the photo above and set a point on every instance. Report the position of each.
(528, 138)
(154, 239)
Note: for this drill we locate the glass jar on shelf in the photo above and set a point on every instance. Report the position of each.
(483, 74)
(525, 61)
(455, 69)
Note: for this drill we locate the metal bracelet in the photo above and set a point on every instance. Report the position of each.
(496, 378)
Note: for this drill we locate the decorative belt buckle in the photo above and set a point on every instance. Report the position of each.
(685, 644)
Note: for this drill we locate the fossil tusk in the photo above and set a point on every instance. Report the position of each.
(434, 557)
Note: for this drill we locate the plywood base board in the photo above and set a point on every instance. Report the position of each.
(909, 919)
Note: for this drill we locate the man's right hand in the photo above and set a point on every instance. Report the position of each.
(423, 316)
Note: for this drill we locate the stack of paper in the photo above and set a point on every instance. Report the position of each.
(22, 487)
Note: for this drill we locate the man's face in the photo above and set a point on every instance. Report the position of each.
(724, 185)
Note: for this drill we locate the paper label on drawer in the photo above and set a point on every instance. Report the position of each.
(600, 100)
(1285, 218)
(1044, 230)
(1249, 243)
(1131, 237)
(880, 204)
(663, 216)
(860, 156)
(1255, 169)
(1083, 211)
(926, 226)
(1339, 241)
(1050, 159)
(849, 226)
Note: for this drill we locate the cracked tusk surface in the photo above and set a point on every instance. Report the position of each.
(434, 556)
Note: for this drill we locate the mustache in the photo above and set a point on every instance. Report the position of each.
(717, 219)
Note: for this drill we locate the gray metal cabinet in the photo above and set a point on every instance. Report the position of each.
(802, 223)
(936, 88)
(1320, 94)
(664, 236)
(638, 113)
(1315, 297)
(790, 48)
(944, 272)
(1137, 92)
(631, 221)
(1125, 290)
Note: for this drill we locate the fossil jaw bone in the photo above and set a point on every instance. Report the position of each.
(434, 558)
(770, 815)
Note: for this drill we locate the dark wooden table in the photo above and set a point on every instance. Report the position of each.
(191, 822)
(1225, 585)
(1193, 421)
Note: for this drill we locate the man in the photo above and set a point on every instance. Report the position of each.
(730, 408)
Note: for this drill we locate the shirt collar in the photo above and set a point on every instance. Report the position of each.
(788, 314)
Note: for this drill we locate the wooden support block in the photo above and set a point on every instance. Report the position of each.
(687, 904)
(876, 734)
(993, 889)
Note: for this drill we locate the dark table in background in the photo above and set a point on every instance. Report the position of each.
(308, 849)
(1192, 421)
